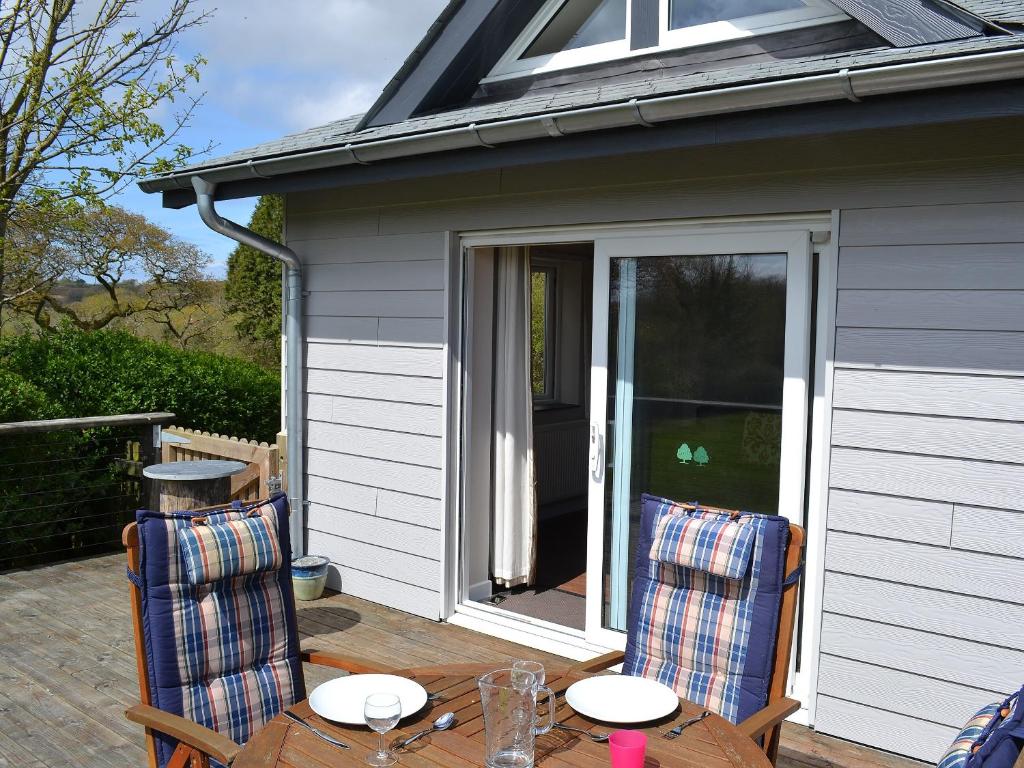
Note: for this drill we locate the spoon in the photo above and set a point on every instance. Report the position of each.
(443, 723)
(595, 737)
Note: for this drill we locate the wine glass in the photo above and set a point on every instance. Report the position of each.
(382, 711)
(534, 668)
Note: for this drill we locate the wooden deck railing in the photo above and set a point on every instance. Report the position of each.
(256, 482)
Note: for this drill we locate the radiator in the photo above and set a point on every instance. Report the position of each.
(561, 452)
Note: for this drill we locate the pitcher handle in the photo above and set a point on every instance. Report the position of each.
(551, 710)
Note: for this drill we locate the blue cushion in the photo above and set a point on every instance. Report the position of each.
(710, 638)
(223, 654)
(992, 738)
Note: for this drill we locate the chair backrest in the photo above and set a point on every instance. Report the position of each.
(215, 628)
(713, 605)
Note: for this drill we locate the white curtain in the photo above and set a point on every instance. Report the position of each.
(514, 539)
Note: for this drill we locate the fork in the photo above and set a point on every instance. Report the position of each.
(329, 739)
(684, 725)
(597, 738)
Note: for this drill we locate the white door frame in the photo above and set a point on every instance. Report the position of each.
(816, 227)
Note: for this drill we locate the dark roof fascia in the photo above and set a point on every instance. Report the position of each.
(934, 107)
(912, 22)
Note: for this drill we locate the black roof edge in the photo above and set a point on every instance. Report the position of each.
(934, 107)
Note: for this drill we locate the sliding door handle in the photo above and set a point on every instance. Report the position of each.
(596, 452)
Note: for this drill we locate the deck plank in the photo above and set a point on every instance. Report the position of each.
(67, 667)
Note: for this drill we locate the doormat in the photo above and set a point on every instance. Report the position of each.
(554, 605)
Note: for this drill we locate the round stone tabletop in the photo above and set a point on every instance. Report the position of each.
(204, 469)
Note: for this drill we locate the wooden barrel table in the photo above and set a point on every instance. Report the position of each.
(193, 484)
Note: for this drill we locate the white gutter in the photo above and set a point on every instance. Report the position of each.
(206, 192)
(851, 85)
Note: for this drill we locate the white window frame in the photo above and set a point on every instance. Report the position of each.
(510, 66)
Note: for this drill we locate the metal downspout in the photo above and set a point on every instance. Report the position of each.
(205, 192)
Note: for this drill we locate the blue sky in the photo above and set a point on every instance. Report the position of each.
(279, 67)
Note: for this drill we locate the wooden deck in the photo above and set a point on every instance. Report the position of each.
(67, 666)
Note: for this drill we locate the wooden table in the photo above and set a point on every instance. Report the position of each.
(193, 484)
(711, 743)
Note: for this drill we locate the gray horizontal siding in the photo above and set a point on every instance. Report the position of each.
(922, 600)
(374, 405)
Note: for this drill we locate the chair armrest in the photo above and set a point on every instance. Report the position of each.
(599, 663)
(194, 735)
(1020, 761)
(764, 720)
(338, 661)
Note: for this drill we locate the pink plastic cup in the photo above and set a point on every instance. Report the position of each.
(628, 749)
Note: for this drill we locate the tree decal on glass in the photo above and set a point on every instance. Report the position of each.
(701, 456)
(684, 454)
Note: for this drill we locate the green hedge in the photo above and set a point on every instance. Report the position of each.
(71, 373)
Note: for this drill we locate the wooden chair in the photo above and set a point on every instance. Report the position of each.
(766, 723)
(197, 744)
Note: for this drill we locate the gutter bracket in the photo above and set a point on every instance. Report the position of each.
(638, 115)
(846, 85)
(550, 124)
(252, 169)
(352, 152)
(473, 129)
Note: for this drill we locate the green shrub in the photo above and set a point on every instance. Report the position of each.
(21, 400)
(110, 372)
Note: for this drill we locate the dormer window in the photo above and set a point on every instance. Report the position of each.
(574, 33)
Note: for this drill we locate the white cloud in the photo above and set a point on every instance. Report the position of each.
(302, 63)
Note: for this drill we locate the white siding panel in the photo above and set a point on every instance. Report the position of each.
(378, 249)
(365, 359)
(931, 435)
(894, 691)
(935, 224)
(399, 417)
(943, 658)
(997, 531)
(422, 450)
(892, 517)
(374, 386)
(390, 563)
(341, 330)
(380, 589)
(375, 303)
(319, 407)
(945, 613)
(944, 310)
(931, 267)
(357, 498)
(410, 508)
(956, 571)
(376, 276)
(987, 352)
(985, 397)
(376, 531)
(886, 730)
(422, 481)
(926, 477)
(415, 331)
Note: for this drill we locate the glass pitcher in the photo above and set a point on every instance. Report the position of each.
(509, 701)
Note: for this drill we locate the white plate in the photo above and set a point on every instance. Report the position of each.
(342, 699)
(621, 699)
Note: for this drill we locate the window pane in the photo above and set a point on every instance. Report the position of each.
(538, 332)
(690, 13)
(580, 23)
(696, 347)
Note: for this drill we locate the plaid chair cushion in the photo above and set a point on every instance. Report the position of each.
(709, 637)
(992, 738)
(721, 547)
(215, 551)
(224, 654)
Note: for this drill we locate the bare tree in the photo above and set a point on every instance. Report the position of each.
(140, 267)
(81, 83)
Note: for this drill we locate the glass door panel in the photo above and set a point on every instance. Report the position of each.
(704, 360)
